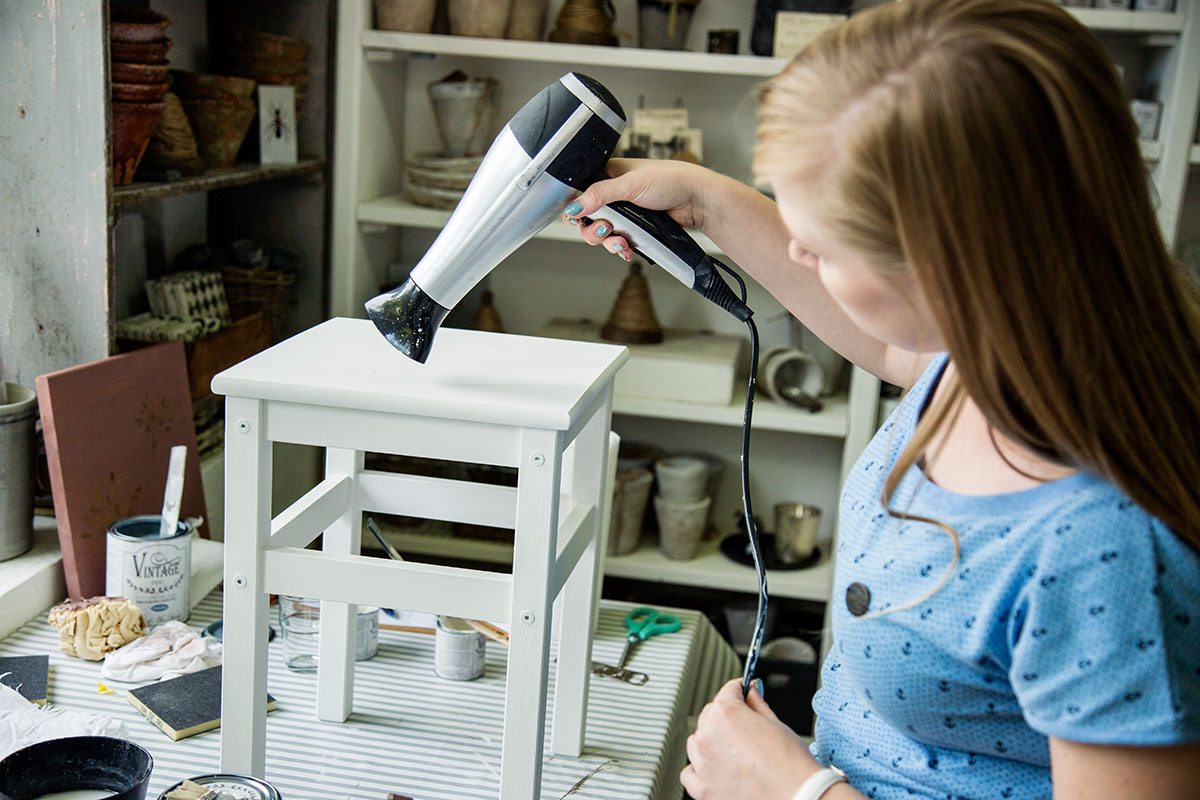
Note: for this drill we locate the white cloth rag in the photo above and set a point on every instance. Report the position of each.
(167, 651)
(23, 723)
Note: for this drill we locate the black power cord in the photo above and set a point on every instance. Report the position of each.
(760, 623)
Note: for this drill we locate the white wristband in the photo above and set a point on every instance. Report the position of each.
(817, 784)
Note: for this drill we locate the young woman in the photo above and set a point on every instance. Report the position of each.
(962, 209)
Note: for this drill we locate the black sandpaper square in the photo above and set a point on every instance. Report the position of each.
(184, 706)
(29, 675)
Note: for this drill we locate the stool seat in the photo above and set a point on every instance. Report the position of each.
(543, 406)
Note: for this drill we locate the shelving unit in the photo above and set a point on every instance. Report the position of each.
(88, 246)
(383, 117)
(238, 175)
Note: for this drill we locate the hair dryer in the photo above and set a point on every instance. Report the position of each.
(554, 148)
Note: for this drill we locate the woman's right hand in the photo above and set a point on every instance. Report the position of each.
(677, 187)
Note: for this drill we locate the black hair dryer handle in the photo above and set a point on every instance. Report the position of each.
(659, 239)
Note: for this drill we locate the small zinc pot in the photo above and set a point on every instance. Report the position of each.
(18, 408)
(76, 764)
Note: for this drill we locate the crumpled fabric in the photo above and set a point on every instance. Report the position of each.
(167, 651)
(23, 723)
(90, 628)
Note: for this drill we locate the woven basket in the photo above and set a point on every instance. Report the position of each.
(248, 290)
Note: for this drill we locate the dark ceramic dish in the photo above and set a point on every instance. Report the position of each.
(77, 762)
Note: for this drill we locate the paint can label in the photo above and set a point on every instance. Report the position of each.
(459, 651)
(150, 571)
(366, 643)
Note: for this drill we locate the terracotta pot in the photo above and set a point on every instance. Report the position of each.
(132, 125)
(138, 72)
(527, 20)
(131, 24)
(413, 16)
(486, 18)
(220, 125)
(142, 52)
(270, 44)
(244, 62)
(202, 84)
(139, 92)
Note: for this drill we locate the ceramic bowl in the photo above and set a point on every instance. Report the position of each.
(77, 762)
(133, 24)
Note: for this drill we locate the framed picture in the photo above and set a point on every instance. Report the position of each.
(277, 124)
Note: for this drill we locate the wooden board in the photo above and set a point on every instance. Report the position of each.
(109, 427)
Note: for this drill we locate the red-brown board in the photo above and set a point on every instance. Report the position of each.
(109, 428)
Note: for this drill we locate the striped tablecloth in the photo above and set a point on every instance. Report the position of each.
(415, 734)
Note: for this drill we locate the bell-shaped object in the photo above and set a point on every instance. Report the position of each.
(632, 319)
(487, 318)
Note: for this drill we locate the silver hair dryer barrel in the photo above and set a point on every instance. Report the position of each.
(552, 150)
(543, 158)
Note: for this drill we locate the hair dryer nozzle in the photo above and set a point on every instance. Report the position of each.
(408, 318)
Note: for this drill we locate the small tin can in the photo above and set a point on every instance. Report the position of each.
(459, 651)
(366, 643)
(231, 787)
(153, 572)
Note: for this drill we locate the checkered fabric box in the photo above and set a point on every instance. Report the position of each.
(192, 295)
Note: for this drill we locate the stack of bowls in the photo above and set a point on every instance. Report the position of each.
(220, 109)
(138, 46)
(682, 504)
(439, 181)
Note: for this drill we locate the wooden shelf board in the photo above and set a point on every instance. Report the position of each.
(713, 569)
(237, 175)
(398, 210)
(710, 568)
(770, 416)
(572, 54)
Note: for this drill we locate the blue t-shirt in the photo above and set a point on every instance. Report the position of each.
(1071, 612)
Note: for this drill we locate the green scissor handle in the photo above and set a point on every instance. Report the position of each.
(645, 622)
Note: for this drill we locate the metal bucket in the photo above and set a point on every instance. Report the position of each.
(16, 470)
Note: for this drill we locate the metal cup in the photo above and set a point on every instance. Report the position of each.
(796, 526)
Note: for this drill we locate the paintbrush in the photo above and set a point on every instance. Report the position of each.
(487, 629)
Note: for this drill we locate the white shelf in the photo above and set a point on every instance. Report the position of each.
(829, 421)
(1118, 21)
(398, 210)
(710, 568)
(383, 42)
(1194, 155)
(714, 570)
(1151, 149)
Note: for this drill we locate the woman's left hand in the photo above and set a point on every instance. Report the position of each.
(741, 750)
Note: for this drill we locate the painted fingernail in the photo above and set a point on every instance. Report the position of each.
(602, 231)
(758, 684)
(626, 256)
(573, 209)
(572, 220)
(618, 247)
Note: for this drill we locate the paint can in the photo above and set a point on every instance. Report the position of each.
(150, 571)
(228, 785)
(459, 650)
(366, 643)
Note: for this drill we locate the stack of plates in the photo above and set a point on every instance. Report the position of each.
(439, 181)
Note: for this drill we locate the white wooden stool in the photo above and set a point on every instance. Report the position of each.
(482, 398)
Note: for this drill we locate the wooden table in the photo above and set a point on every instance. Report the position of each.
(418, 735)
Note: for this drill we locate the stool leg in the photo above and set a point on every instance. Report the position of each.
(534, 553)
(335, 662)
(588, 487)
(247, 528)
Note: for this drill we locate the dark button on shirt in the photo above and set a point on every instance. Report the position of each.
(858, 598)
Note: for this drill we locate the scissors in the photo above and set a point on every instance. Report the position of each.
(643, 623)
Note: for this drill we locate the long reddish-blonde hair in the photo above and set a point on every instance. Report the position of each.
(988, 147)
